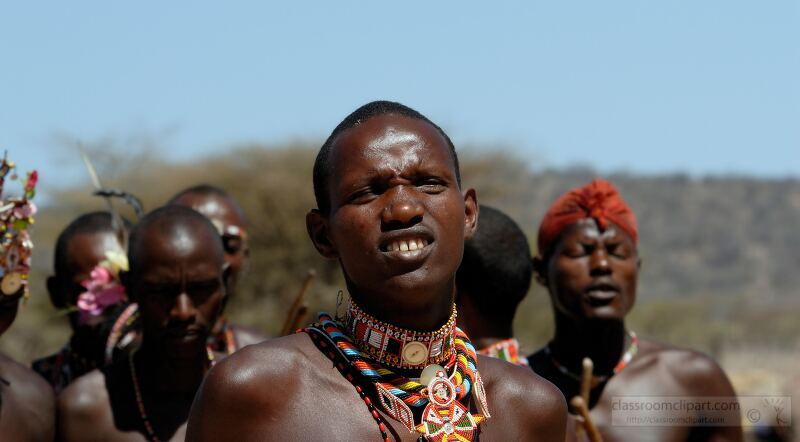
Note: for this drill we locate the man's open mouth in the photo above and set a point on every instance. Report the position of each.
(405, 245)
(411, 246)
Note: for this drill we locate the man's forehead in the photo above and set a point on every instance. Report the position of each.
(386, 138)
(89, 248)
(588, 228)
(174, 240)
(168, 271)
(389, 128)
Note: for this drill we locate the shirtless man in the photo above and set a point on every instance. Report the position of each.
(80, 247)
(229, 219)
(391, 211)
(493, 279)
(27, 407)
(588, 261)
(176, 277)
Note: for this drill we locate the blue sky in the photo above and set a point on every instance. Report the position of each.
(651, 87)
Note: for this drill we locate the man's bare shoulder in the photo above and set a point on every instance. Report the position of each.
(27, 382)
(30, 399)
(517, 381)
(249, 389)
(84, 409)
(531, 397)
(252, 373)
(85, 396)
(695, 370)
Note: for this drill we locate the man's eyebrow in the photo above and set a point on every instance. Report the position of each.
(371, 176)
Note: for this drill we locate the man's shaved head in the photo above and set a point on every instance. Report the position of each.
(202, 196)
(181, 227)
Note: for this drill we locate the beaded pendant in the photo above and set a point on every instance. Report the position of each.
(444, 418)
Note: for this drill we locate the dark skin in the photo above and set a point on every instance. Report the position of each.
(393, 179)
(178, 285)
(27, 405)
(592, 277)
(225, 212)
(84, 252)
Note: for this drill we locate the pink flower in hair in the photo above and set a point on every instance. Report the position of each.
(102, 291)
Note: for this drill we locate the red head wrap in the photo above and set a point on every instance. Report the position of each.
(599, 200)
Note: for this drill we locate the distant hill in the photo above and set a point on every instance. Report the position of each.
(717, 235)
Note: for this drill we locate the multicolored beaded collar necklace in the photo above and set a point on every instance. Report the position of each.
(436, 406)
(506, 350)
(623, 362)
(398, 347)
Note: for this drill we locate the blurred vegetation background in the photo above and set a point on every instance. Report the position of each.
(720, 255)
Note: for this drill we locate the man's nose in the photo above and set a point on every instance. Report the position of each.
(183, 309)
(402, 209)
(598, 263)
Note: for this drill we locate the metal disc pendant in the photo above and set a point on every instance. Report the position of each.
(11, 283)
(414, 353)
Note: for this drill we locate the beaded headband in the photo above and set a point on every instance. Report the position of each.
(398, 347)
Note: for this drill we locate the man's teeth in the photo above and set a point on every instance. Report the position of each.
(407, 245)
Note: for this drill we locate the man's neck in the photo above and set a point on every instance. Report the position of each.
(603, 341)
(168, 373)
(422, 318)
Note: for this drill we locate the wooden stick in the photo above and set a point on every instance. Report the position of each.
(586, 388)
(586, 379)
(578, 404)
(292, 314)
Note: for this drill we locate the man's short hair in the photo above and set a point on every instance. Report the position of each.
(86, 224)
(496, 269)
(322, 165)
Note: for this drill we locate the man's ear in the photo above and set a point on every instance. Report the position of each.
(126, 280)
(539, 271)
(638, 264)
(471, 210)
(317, 226)
(53, 291)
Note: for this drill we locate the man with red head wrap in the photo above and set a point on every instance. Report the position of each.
(588, 260)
